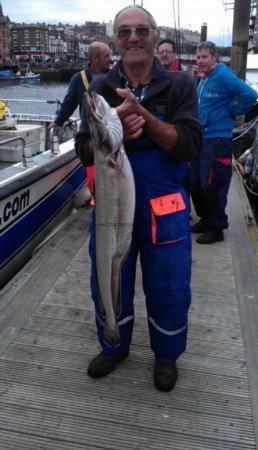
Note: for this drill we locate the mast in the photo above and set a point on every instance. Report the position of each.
(242, 9)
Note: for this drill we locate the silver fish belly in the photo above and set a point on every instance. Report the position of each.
(114, 208)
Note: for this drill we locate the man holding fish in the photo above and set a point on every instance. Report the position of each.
(141, 138)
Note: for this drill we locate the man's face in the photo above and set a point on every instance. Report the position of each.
(205, 61)
(135, 38)
(166, 55)
(104, 59)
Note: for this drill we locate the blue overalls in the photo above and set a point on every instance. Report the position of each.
(161, 236)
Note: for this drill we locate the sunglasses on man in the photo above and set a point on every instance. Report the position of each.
(140, 31)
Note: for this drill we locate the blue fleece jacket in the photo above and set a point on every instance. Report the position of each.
(222, 97)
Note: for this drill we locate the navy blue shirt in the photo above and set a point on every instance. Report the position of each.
(74, 97)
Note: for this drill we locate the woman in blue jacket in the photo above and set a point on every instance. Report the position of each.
(222, 97)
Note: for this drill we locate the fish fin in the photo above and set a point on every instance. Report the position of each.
(115, 285)
(99, 298)
(100, 305)
(111, 336)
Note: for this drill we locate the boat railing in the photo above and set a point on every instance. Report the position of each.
(54, 141)
(27, 158)
(56, 135)
(56, 102)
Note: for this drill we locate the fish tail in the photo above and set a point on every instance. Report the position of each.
(111, 335)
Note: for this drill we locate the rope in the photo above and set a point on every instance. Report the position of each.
(243, 180)
(247, 127)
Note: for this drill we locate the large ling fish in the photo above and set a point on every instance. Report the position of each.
(114, 207)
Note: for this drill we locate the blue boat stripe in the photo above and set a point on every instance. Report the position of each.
(41, 199)
(166, 332)
(4, 259)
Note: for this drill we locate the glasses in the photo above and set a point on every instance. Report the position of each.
(141, 31)
(166, 52)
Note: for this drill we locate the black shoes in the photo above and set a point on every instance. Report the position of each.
(211, 236)
(200, 227)
(165, 374)
(165, 371)
(103, 364)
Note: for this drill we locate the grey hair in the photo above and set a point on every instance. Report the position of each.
(95, 49)
(152, 21)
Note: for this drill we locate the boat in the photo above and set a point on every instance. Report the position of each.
(9, 75)
(39, 186)
(30, 77)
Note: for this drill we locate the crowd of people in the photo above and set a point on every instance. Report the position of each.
(176, 134)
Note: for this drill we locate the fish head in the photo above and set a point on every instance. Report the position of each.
(105, 126)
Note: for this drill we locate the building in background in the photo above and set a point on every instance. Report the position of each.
(29, 41)
(40, 43)
(4, 37)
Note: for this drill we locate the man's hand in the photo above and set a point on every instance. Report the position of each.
(133, 126)
(53, 125)
(133, 123)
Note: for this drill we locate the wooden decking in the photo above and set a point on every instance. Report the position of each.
(48, 337)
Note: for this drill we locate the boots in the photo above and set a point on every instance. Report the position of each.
(211, 236)
(165, 374)
(102, 364)
(200, 227)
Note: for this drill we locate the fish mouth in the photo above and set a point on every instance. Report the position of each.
(94, 108)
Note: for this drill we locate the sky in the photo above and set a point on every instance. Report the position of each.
(192, 13)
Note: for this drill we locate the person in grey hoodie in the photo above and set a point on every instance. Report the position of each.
(222, 96)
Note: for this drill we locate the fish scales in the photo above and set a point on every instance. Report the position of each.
(114, 208)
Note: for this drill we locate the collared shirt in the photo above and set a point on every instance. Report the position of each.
(141, 90)
(172, 94)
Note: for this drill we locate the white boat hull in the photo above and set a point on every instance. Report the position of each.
(32, 201)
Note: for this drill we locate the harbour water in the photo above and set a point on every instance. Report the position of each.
(33, 91)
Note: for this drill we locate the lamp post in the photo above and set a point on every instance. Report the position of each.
(240, 38)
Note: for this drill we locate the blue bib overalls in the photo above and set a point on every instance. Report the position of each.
(161, 237)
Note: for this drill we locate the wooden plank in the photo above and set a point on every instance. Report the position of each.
(142, 441)
(66, 360)
(77, 401)
(136, 428)
(80, 344)
(20, 441)
(41, 272)
(244, 245)
(139, 372)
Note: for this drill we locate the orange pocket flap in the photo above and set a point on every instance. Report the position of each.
(167, 204)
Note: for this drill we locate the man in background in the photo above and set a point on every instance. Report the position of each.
(222, 97)
(167, 55)
(99, 62)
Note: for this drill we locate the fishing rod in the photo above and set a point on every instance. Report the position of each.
(179, 33)
(176, 32)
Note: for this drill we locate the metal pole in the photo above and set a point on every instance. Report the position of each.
(203, 32)
(24, 100)
(242, 9)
